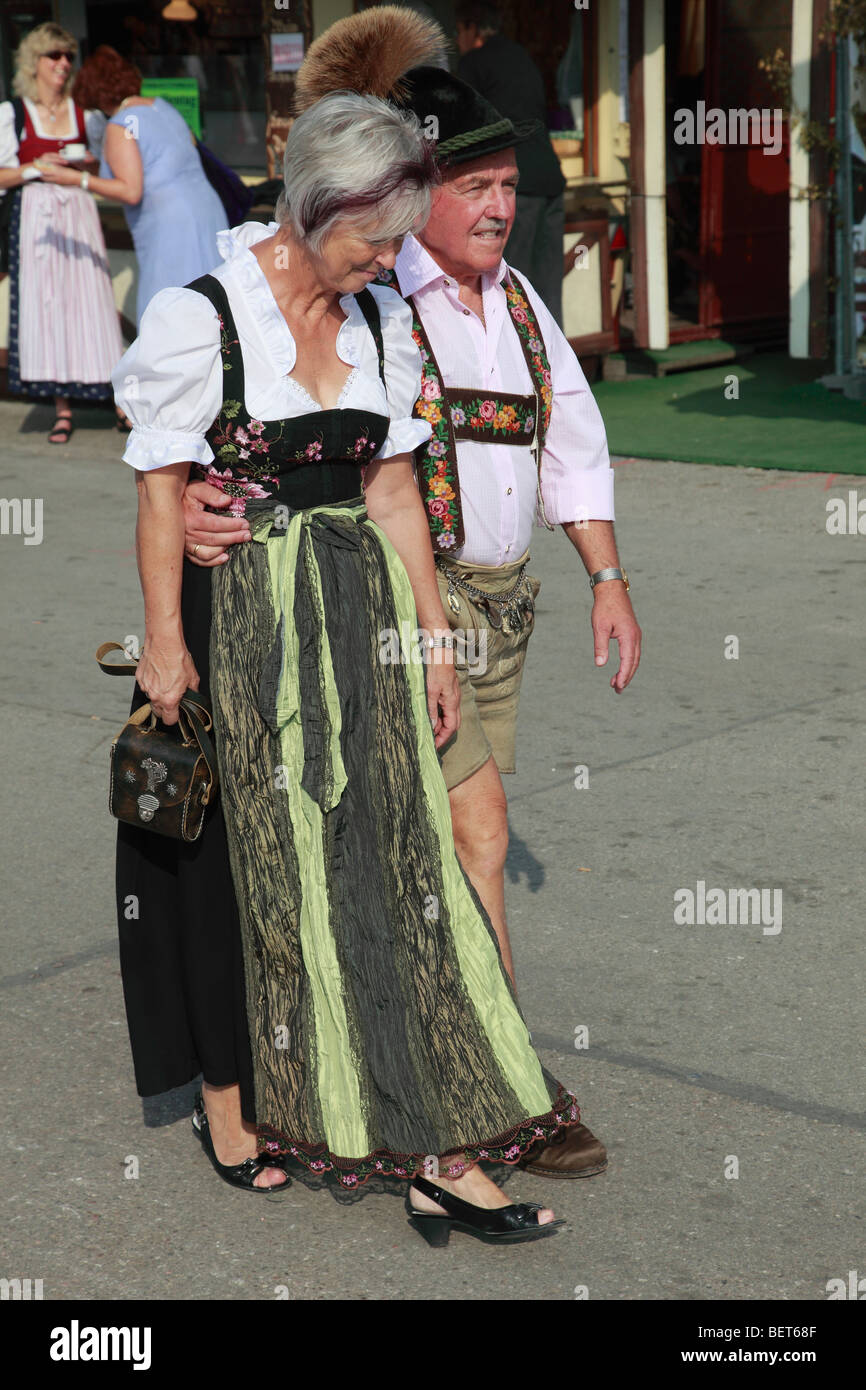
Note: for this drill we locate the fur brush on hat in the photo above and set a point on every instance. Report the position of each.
(368, 53)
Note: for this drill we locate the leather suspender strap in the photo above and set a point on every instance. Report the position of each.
(436, 461)
(535, 355)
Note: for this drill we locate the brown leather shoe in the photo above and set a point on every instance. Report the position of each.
(573, 1153)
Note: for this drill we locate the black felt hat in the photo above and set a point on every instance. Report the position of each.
(385, 52)
(467, 126)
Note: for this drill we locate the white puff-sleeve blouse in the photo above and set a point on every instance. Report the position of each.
(8, 139)
(170, 381)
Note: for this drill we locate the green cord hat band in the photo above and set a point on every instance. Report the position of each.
(473, 137)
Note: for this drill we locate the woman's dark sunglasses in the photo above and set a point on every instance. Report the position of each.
(58, 54)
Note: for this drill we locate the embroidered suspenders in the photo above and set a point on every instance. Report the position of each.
(462, 413)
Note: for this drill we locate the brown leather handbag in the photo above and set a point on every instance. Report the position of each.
(163, 778)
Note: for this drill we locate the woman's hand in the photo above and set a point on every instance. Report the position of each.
(165, 672)
(56, 170)
(165, 669)
(443, 694)
(394, 503)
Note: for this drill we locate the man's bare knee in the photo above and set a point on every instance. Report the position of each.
(479, 818)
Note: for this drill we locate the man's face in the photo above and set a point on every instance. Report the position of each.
(472, 214)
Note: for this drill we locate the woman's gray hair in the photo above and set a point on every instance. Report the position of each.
(45, 38)
(353, 158)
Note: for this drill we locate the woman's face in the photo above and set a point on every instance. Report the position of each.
(349, 260)
(54, 71)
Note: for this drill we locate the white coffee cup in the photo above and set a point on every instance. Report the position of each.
(74, 152)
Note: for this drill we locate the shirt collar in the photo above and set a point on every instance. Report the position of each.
(234, 241)
(416, 269)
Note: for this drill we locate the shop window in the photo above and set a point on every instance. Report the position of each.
(220, 51)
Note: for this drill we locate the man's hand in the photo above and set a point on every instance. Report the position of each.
(613, 617)
(208, 535)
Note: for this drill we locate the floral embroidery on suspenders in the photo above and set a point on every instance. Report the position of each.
(535, 354)
(487, 418)
(460, 413)
(437, 459)
(533, 345)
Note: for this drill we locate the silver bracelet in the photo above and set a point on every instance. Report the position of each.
(447, 641)
(85, 180)
(601, 575)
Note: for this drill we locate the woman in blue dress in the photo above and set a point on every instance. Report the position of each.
(150, 163)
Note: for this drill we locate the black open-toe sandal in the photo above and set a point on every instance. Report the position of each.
(61, 430)
(501, 1226)
(237, 1174)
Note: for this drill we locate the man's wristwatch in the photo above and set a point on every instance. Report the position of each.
(601, 575)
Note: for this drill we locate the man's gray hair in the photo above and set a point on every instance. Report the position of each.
(353, 158)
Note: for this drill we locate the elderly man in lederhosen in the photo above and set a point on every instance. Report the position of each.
(517, 437)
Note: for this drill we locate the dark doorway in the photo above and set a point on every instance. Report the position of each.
(727, 202)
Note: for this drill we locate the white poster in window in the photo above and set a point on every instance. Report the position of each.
(287, 52)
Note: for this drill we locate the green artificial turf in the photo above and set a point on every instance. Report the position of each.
(782, 419)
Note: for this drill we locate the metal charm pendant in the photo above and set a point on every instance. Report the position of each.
(453, 602)
(156, 772)
(494, 613)
(147, 805)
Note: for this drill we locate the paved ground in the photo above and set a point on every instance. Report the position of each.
(707, 1043)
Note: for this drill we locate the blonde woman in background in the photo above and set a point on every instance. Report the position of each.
(64, 334)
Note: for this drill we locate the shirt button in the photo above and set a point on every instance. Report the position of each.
(466, 311)
(508, 492)
(507, 548)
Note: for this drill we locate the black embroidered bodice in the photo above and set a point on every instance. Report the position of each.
(306, 461)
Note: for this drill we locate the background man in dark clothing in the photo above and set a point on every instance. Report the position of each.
(505, 74)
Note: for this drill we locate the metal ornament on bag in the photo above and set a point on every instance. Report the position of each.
(163, 778)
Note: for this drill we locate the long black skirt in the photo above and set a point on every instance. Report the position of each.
(181, 956)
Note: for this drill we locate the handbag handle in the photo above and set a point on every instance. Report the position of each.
(115, 660)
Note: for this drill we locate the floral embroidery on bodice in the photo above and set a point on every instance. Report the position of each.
(255, 459)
